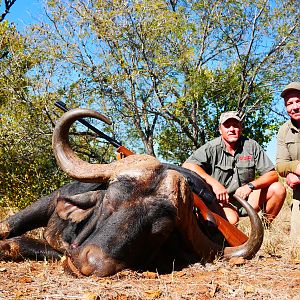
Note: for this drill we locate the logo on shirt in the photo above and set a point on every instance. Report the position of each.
(246, 157)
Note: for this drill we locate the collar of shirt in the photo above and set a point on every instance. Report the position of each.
(294, 126)
(238, 146)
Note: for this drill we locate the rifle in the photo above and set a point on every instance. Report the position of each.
(122, 150)
(232, 234)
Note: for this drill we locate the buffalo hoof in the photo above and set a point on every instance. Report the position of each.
(9, 249)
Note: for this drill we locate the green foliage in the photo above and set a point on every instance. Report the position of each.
(163, 71)
(28, 169)
(173, 145)
(27, 166)
(12, 81)
(197, 113)
(19, 158)
(180, 64)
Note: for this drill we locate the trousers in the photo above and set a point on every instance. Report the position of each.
(295, 223)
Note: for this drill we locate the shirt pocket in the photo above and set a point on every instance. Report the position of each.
(223, 173)
(246, 171)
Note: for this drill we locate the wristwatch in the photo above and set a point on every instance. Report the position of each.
(251, 186)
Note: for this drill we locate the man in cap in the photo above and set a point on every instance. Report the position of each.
(229, 163)
(288, 153)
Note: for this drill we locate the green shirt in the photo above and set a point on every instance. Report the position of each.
(235, 170)
(288, 151)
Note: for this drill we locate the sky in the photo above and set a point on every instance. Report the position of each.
(24, 12)
(271, 149)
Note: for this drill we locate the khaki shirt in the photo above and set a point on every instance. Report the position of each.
(288, 151)
(235, 170)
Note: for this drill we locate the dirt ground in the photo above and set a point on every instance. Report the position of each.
(260, 278)
(273, 274)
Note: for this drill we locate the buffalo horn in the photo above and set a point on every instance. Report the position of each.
(252, 245)
(84, 171)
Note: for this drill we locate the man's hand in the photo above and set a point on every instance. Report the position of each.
(220, 192)
(292, 180)
(243, 191)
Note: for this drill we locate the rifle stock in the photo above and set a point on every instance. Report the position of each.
(232, 234)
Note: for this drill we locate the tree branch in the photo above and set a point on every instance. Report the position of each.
(8, 5)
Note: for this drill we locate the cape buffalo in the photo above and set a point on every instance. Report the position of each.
(132, 213)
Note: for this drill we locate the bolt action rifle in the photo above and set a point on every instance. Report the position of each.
(122, 150)
(231, 233)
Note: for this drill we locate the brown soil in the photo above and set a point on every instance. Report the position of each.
(261, 278)
(273, 274)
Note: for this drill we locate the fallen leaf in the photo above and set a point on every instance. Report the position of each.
(124, 273)
(179, 274)
(153, 294)
(150, 275)
(25, 279)
(18, 295)
(201, 289)
(237, 261)
(90, 296)
(122, 297)
(249, 289)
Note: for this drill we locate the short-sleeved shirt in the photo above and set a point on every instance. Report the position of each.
(235, 170)
(288, 152)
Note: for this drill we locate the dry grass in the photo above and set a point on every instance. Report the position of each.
(273, 274)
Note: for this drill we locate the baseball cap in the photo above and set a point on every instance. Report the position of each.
(229, 115)
(291, 86)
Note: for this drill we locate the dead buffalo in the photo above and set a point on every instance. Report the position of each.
(132, 213)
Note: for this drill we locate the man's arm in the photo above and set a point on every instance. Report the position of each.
(290, 170)
(218, 189)
(265, 180)
(261, 182)
(293, 178)
(286, 166)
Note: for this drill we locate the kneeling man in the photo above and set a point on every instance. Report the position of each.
(229, 164)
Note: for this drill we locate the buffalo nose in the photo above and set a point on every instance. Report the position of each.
(93, 260)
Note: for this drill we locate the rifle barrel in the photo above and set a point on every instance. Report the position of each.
(112, 141)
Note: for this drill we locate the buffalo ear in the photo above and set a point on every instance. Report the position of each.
(67, 210)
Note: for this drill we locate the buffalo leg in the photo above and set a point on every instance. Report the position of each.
(22, 247)
(34, 216)
(38, 213)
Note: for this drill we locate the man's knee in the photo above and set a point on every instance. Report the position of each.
(231, 215)
(277, 189)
